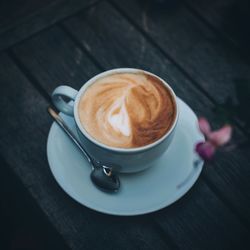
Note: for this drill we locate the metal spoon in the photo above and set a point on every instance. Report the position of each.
(101, 175)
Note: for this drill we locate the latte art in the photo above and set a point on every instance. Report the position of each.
(127, 110)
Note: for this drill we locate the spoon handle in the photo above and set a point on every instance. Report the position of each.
(68, 131)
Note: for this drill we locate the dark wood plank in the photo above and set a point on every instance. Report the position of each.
(32, 18)
(54, 55)
(23, 224)
(230, 173)
(230, 18)
(213, 67)
(209, 229)
(110, 55)
(24, 130)
(14, 12)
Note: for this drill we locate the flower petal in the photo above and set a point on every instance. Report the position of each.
(221, 136)
(204, 126)
(205, 150)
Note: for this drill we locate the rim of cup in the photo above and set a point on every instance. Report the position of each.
(116, 149)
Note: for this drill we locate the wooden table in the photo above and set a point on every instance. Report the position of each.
(192, 45)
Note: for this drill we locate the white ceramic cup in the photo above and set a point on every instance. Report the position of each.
(125, 160)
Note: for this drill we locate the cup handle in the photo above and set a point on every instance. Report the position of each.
(57, 99)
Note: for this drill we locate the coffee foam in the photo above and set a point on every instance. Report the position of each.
(127, 110)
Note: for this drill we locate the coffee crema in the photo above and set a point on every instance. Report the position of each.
(127, 110)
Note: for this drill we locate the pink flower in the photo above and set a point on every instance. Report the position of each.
(214, 139)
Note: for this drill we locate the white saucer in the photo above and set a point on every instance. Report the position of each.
(140, 193)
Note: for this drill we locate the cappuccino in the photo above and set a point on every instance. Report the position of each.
(127, 110)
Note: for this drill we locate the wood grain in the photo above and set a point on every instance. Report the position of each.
(229, 18)
(202, 56)
(15, 12)
(20, 20)
(110, 48)
(22, 218)
(24, 130)
(200, 221)
(229, 173)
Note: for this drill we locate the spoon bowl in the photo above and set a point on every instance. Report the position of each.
(104, 179)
